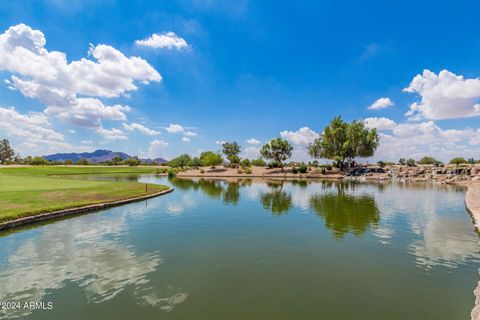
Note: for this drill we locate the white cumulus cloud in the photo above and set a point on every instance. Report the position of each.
(252, 141)
(186, 140)
(35, 131)
(71, 90)
(167, 40)
(140, 128)
(415, 140)
(444, 96)
(379, 123)
(190, 134)
(111, 134)
(175, 128)
(251, 152)
(381, 103)
(156, 148)
(302, 136)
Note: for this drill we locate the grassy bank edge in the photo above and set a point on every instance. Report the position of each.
(68, 211)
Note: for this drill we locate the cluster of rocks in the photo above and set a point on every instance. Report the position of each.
(440, 174)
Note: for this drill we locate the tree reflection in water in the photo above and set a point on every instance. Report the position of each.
(184, 184)
(231, 194)
(276, 200)
(229, 191)
(344, 212)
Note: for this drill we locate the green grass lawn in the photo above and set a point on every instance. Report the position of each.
(33, 190)
(66, 170)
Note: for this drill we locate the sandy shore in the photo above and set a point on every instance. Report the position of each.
(257, 172)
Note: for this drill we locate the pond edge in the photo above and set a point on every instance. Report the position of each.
(74, 211)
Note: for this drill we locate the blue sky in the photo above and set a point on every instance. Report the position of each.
(238, 70)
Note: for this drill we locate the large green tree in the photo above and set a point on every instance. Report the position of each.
(6, 151)
(38, 161)
(342, 142)
(458, 161)
(428, 160)
(117, 160)
(211, 159)
(134, 161)
(180, 162)
(277, 150)
(231, 150)
(195, 162)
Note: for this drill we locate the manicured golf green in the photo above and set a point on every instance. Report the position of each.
(34, 190)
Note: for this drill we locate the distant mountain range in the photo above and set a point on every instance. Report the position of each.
(96, 156)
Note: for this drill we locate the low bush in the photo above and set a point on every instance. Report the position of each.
(274, 164)
(171, 173)
(303, 168)
(259, 163)
(246, 163)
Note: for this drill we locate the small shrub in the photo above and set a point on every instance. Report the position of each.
(303, 168)
(83, 162)
(171, 173)
(38, 161)
(246, 163)
(239, 171)
(248, 171)
(274, 164)
(294, 170)
(259, 163)
(202, 171)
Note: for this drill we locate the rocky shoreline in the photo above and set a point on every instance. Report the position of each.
(425, 173)
(472, 202)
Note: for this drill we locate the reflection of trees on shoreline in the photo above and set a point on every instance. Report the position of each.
(345, 213)
(211, 188)
(276, 200)
(184, 184)
(229, 191)
(231, 194)
(349, 210)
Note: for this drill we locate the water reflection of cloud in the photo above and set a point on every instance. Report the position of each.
(85, 251)
(150, 297)
(441, 238)
(178, 206)
(444, 243)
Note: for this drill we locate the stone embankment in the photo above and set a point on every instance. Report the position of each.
(426, 173)
(472, 201)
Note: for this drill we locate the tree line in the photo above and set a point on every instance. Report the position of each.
(340, 141)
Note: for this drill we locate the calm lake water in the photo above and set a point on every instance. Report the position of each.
(251, 249)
